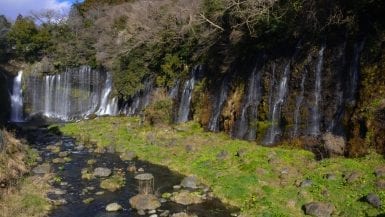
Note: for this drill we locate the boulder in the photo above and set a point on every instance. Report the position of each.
(127, 156)
(183, 214)
(319, 209)
(374, 200)
(42, 169)
(334, 145)
(144, 202)
(102, 172)
(190, 182)
(186, 198)
(113, 207)
(380, 171)
(380, 184)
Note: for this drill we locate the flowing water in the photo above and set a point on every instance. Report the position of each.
(246, 123)
(275, 118)
(77, 189)
(314, 126)
(139, 101)
(17, 99)
(185, 100)
(218, 105)
(298, 105)
(73, 94)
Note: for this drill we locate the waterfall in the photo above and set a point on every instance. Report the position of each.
(245, 125)
(17, 99)
(314, 128)
(73, 94)
(107, 106)
(298, 104)
(354, 72)
(219, 102)
(277, 103)
(173, 93)
(188, 87)
(139, 101)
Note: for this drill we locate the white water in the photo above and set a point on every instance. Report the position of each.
(185, 102)
(108, 106)
(17, 99)
(245, 124)
(274, 129)
(139, 101)
(314, 128)
(298, 105)
(219, 102)
(74, 94)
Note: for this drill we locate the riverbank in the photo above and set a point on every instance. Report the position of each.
(21, 194)
(261, 181)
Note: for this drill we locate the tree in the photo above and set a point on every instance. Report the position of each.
(4, 28)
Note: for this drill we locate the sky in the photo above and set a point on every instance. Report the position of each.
(11, 8)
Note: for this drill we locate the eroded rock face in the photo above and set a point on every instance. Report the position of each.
(144, 202)
(319, 209)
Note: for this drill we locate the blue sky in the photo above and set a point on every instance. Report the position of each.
(11, 8)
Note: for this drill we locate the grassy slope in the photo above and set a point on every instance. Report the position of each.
(255, 181)
(24, 195)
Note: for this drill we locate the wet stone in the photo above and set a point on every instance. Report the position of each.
(113, 207)
(190, 182)
(42, 169)
(186, 198)
(144, 202)
(102, 172)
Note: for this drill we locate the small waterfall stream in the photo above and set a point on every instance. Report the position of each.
(139, 101)
(107, 106)
(298, 105)
(219, 102)
(245, 127)
(185, 101)
(278, 101)
(17, 99)
(354, 72)
(314, 126)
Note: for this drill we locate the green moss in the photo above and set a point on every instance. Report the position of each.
(113, 183)
(254, 181)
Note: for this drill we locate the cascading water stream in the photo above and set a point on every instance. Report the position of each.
(188, 87)
(139, 101)
(245, 128)
(17, 99)
(274, 129)
(355, 72)
(107, 106)
(74, 94)
(298, 104)
(314, 127)
(220, 100)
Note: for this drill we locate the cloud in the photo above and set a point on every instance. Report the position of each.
(11, 8)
